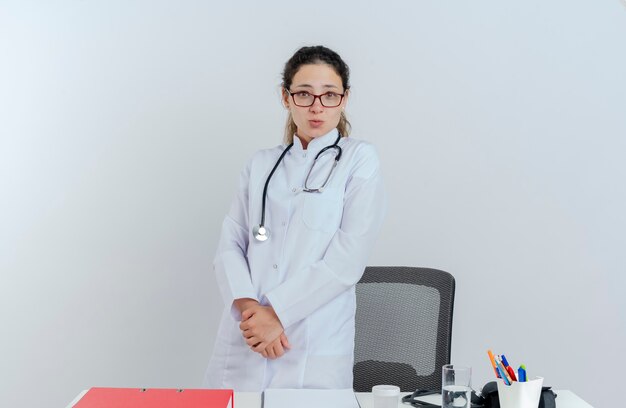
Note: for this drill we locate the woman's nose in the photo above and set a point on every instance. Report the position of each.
(317, 105)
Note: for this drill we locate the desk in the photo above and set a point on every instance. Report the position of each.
(565, 399)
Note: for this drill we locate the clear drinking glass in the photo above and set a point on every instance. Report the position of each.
(456, 386)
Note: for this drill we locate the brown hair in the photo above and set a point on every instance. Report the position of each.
(316, 55)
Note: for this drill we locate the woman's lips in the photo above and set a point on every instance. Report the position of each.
(316, 123)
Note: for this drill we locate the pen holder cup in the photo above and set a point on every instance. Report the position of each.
(520, 394)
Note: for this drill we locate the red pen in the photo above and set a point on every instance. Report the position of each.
(508, 368)
(511, 373)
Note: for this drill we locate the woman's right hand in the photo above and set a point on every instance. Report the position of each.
(260, 326)
(277, 347)
(243, 304)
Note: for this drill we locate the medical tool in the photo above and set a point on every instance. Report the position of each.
(261, 232)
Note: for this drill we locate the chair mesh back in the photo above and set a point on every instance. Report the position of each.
(403, 327)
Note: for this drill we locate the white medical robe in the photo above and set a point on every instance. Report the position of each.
(307, 270)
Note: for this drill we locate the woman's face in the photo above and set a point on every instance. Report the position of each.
(315, 120)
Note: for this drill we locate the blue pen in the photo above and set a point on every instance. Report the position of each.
(508, 368)
(502, 374)
(521, 373)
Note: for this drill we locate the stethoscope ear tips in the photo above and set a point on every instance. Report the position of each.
(260, 233)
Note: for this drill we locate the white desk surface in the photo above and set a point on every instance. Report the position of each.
(565, 399)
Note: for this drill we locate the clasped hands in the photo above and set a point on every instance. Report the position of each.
(261, 329)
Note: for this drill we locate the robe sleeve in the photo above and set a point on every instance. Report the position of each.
(230, 263)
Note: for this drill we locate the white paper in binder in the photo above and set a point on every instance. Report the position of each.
(309, 398)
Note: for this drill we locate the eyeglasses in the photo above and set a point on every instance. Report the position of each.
(305, 99)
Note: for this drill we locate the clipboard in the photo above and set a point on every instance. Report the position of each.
(102, 397)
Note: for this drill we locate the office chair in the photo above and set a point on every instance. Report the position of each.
(403, 327)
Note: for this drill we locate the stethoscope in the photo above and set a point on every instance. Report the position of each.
(261, 232)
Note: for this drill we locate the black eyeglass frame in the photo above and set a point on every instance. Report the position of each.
(293, 97)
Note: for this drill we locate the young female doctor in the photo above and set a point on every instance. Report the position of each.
(296, 241)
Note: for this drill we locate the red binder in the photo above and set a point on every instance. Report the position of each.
(98, 397)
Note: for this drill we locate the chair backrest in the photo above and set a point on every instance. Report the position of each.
(403, 327)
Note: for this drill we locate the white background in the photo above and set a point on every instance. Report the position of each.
(501, 127)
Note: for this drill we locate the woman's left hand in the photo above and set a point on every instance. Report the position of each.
(260, 326)
(277, 348)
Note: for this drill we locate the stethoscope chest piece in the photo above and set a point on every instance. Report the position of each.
(260, 233)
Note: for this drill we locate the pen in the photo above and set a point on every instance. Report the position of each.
(504, 375)
(511, 372)
(492, 360)
(508, 368)
(521, 371)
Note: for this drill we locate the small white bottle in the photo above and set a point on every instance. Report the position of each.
(385, 396)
